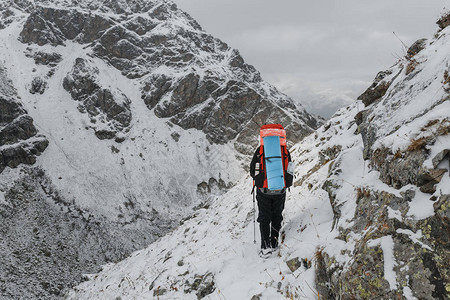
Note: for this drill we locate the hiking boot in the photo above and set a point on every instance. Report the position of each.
(265, 253)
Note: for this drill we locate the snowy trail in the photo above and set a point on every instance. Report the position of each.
(219, 240)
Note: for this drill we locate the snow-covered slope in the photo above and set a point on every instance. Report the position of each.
(368, 217)
(120, 118)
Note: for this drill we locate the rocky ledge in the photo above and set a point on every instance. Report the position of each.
(20, 142)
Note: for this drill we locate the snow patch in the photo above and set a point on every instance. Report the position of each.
(414, 237)
(407, 292)
(421, 206)
(394, 214)
(387, 245)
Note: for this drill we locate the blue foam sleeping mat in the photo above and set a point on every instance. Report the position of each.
(274, 164)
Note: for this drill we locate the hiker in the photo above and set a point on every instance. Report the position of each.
(269, 170)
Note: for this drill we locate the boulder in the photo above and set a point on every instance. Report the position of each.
(20, 142)
(38, 85)
(46, 58)
(416, 47)
(444, 20)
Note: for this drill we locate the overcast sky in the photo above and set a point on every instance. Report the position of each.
(321, 53)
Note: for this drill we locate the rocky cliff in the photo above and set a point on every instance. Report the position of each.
(117, 119)
(398, 227)
(20, 142)
(368, 217)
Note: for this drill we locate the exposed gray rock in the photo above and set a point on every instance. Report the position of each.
(444, 21)
(21, 128)
(406, 167)
(203, 285)
(109, 107)
(132, 48)
(294, 264)
(175, 136)
(439, 157)
(105, 134)
(400, 171)
(419, 266)
(22, 153)
(159, 292)
(37, 30)
(19, 141)
(213, 186)
(329, 154)
(256, 297)
(49, 25)
(207, 286)
(416, 47)
(45, 58)
(6, 15)
(376, 90)
(359, 117)
(38, 85)
(223, 110)
(9, 110)
(322, 278)
(331, 187)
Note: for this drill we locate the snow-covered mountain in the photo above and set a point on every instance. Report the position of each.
(117, 119)
(368, 217)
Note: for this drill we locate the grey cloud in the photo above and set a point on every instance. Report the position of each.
(319, 96)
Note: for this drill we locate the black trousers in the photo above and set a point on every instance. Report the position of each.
(270, 209)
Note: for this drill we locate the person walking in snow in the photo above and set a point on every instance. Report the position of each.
(272, 173)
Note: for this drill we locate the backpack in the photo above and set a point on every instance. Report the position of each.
(273, 159)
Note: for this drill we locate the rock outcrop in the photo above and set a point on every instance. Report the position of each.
(444, 21)
(46, 58)
(398, 250)
(54, 26)
(20, 142)
(108, 108)
(38, 85)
